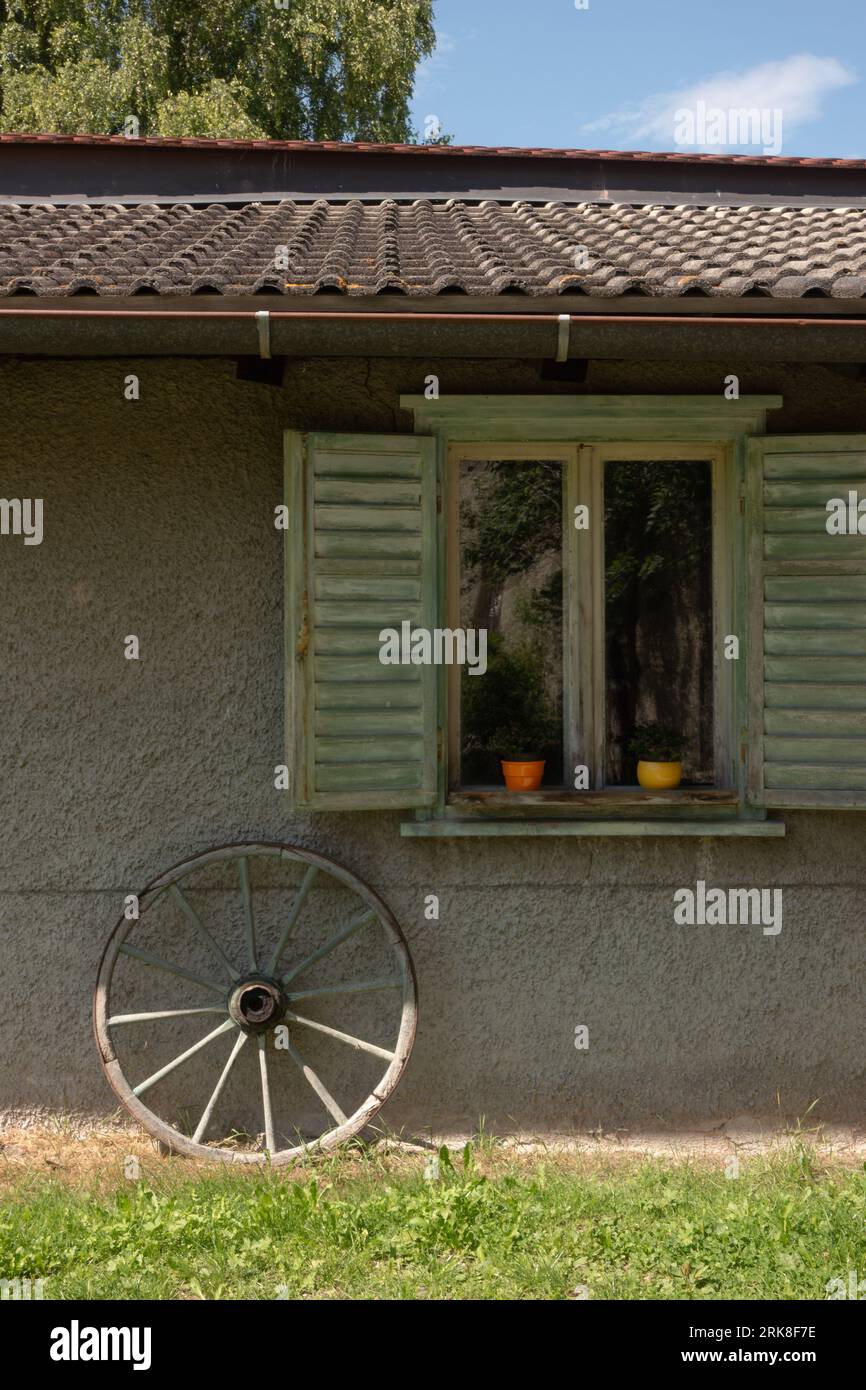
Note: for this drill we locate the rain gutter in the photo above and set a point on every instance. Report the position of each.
(381, 333)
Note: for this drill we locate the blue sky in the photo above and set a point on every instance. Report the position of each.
(613, 76)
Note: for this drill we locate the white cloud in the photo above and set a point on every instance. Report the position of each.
(796, 86)
(431, 70)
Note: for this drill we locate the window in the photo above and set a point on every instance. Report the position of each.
(700, 586)
(507, 575)
(658, 611)
(592, 571)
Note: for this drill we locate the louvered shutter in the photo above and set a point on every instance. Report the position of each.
(361, 550)
(807, 624)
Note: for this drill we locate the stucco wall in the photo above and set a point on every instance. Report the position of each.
(158, 522)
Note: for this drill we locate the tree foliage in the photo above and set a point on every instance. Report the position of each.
(519, 517)
(655, 525)
(303, 69)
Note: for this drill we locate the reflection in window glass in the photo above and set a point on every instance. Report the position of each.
(511, 584)
(658, 611)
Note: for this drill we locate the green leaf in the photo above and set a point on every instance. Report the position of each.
(321, 69)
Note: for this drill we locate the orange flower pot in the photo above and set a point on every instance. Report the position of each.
(659, 777)
(522, 776)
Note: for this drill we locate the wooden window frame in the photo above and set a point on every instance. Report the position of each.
(572, 626)
(595, 429)
(721, 525)
(583, 624)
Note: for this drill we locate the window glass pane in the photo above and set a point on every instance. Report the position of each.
(658, 611)
(511, 584)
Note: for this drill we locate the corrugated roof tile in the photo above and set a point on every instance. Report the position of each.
(429, 248)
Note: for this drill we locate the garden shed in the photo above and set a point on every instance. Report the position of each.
(593, 422)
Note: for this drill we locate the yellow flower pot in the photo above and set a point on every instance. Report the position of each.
(659, 777)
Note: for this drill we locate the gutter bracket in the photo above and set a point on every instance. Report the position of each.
(564, 337)
(263, 325)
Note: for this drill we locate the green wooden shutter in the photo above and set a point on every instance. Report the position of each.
(807, 704)
(361, 550)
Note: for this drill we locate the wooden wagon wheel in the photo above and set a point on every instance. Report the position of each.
(252, 990)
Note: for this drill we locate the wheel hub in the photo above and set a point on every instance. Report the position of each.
(257, 1003)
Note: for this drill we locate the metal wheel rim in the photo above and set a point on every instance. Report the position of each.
(362, 1115)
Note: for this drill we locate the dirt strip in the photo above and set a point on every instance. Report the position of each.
(102, 1152)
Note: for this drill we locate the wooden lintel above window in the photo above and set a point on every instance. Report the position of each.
(591, 417)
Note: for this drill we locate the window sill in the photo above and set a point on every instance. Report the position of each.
(620, 811)
(616, 801)
(481, 828)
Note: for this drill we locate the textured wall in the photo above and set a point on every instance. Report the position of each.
(158, 522)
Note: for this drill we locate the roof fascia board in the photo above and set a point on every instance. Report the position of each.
(127, 172)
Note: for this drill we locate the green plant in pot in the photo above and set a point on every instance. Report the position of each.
(507, 713)
(659, 751)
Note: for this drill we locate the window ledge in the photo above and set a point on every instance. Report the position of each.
(614, 801)
(440, 829)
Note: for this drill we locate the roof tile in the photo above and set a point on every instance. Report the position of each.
(429, 248)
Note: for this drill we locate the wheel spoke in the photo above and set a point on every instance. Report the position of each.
(309, 878)
(228, 969)
(353, 987)
(163, 1013)
(192, 916)
(342, 935)
(159, 964)
(190, 1052)
(321, 1091)
(218, 1089)
(342, 1037)
(246, 894)
(266, 1096)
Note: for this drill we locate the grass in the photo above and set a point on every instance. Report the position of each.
(489, 1226)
